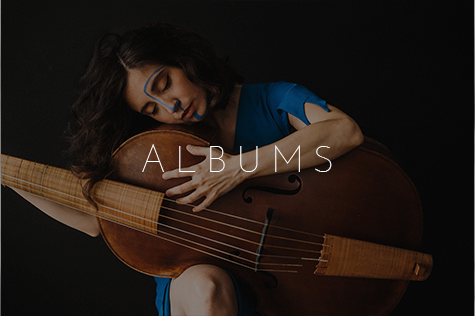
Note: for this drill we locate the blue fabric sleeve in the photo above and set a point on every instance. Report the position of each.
(263, 112)
(162, 301)
(293, 99)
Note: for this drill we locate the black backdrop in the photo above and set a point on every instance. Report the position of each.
(402, 69)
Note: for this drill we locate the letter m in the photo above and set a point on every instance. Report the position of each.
(287, 162)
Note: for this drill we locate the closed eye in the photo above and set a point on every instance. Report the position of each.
(167, 84)
(155, 110)
(150, 109)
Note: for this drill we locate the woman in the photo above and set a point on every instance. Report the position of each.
(173, 76)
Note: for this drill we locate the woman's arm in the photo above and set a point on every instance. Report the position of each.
(76, 219)
(333, 129)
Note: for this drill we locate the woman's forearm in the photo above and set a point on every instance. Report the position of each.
(76, 219)
(338, 136)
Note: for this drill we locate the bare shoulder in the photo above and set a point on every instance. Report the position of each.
(316, 114)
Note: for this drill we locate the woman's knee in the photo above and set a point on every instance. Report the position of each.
(204, 287)
(207, 281)
(207, 285)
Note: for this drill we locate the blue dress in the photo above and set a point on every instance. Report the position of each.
(261, 120)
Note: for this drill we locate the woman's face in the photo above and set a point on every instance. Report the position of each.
(165, 94)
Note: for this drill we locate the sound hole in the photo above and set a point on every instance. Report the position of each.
(234, 254)
(292, 178)
(269, 285)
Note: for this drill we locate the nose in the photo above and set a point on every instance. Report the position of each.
(178, 105)
(171, 109)
(177, 109)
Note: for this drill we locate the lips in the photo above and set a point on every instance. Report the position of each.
(188, 112)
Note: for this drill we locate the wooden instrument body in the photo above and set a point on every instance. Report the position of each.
(364, 196)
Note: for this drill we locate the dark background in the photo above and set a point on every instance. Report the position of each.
(402, 69)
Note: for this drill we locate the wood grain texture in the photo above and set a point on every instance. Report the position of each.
(134, 207)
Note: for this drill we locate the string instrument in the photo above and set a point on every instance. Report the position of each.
(302, 243)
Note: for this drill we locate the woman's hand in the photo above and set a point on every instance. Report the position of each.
(210, 181)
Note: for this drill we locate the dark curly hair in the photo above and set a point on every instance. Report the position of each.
(102, 120)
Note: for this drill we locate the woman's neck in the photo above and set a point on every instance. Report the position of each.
(225, 120)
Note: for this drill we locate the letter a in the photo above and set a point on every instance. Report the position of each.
(153, 147)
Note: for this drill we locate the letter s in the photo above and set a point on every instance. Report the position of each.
(325, 159)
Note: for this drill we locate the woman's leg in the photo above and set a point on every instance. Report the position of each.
(203, 290)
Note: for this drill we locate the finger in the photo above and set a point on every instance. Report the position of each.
(178, 173)
(197, 150)
(180, 189)
(204, 204)
(190, 198)
(199, 208)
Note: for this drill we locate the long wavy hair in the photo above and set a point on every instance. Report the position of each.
(102, 120)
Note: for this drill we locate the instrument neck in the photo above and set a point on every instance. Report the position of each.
(118, 202)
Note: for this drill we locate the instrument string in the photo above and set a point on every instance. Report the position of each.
(184, 231)
(250, 220)
(94, 212)
(144, 219)
(236, 237)
(134, 190)
(233, 216)
(131, 189)
(188, 241)
(132, 225)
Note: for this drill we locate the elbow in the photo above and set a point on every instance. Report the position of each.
(92, 228)
(93, 233)
(354, 135)
(358, 136)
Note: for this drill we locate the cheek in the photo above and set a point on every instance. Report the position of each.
(165, 118)
(186, 87)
